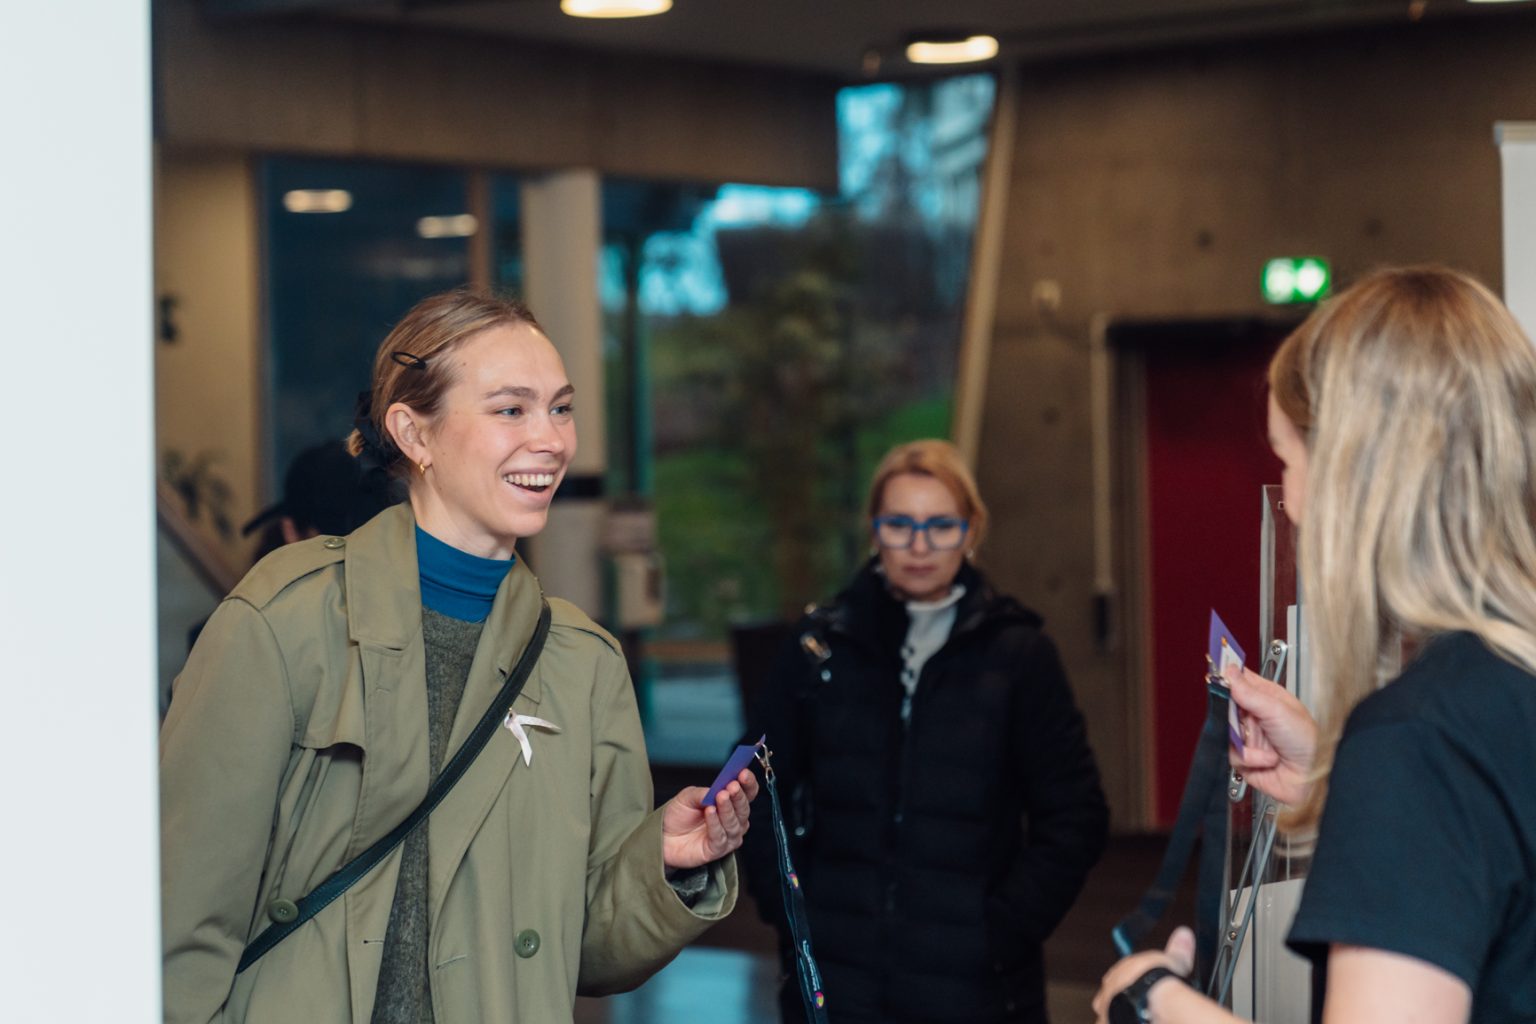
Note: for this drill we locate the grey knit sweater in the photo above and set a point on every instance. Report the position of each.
(405, 989)
(404, 994)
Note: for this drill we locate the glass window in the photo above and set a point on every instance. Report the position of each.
(507, 235)
(349, 248)
(765, 346)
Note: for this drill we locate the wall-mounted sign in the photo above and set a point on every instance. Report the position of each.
(1294, 279)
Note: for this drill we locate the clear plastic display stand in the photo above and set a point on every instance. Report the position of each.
(1268, 982)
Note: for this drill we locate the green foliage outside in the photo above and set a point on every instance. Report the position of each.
(771, 417)
(767, 418)
(719, 540)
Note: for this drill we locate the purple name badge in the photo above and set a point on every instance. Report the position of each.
(733, 766)
(1225, 651)
(1224, 646)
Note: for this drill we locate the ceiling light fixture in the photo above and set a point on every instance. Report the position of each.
(950, 48)
(317, 200)
(458, 225)
(615, 8)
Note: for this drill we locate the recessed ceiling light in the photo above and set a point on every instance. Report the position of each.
(458, 225)
(950, 48)
(615, 8)
(317, 200)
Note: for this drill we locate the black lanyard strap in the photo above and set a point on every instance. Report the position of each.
(794, 903)
(1203, 816)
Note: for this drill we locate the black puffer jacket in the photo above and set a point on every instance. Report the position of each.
(938, 853)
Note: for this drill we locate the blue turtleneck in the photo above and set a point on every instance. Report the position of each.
(456, 583)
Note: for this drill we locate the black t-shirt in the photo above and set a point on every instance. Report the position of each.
(1428, 841)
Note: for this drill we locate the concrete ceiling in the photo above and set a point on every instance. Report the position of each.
(854, 40)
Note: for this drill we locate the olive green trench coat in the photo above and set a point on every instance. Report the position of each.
(297, 736)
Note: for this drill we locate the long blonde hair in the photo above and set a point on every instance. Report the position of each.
(1415, 391)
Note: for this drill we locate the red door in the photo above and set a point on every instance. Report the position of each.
(1208, 459)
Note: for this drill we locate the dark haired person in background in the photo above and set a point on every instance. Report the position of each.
(324, 491)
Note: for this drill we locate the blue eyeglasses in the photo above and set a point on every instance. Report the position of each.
(945, 533)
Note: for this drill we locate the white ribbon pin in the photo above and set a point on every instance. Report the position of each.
(516, 723)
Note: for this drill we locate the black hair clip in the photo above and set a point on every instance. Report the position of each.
(409, 360)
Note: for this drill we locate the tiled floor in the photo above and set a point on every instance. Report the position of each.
(726, 986)
(710, 986)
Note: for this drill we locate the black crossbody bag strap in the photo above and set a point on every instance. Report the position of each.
(327, 891)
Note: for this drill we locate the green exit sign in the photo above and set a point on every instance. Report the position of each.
(1296, 279)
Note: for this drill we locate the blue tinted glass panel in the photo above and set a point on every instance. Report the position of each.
(337, 281)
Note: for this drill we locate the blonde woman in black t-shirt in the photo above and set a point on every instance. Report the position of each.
(1404, 412)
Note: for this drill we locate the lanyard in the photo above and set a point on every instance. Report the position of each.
(794, 903)
(1211, 786)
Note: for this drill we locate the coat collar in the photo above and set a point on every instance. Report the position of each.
(383, 595)
(866, 611)
(384, 605)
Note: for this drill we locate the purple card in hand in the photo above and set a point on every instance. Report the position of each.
(739, 760)
(1224, 646)
(1226, 651)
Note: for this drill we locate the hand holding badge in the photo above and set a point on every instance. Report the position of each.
(739, 759)
(1224, 652)
(1209, 769)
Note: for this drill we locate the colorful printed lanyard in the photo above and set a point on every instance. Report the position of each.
(794, 902)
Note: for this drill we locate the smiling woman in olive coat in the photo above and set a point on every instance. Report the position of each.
(331, 685)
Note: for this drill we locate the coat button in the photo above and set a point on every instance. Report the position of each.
(527, 943)
(334, 543)
(283, 911)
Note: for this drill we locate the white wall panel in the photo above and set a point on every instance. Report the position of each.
(77, 648)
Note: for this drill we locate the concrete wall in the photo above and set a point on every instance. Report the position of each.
(1156, 185)
(359, 90)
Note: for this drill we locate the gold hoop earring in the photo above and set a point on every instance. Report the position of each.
(423, 467)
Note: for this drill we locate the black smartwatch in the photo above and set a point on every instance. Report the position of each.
(1130, 1004)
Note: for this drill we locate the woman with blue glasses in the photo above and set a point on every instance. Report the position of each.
(945, 803)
